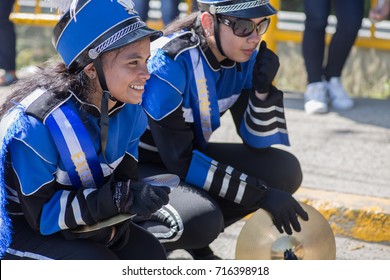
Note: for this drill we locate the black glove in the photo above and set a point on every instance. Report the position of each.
(148, 199)
(265, 69)
(284, 210)
(122, 196)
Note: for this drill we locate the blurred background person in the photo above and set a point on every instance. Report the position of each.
(380, 11)
(324, 86)
(7, 44)
(169, 9)
(194, 5)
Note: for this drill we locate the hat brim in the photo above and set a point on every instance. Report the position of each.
(137, 35)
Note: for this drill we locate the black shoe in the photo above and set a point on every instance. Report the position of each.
(203, 254)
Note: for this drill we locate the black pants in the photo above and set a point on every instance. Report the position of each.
(7, 37)
(27, 244)
(194, 218)
(349, 15)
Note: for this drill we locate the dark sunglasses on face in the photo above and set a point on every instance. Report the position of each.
(244, 27)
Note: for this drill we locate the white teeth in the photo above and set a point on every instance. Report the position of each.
(137, 87)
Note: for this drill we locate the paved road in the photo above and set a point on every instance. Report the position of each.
(346, 248)
(346, 152)
(345, 157)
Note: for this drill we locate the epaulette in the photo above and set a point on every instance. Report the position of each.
(180, 43)
(43, 105)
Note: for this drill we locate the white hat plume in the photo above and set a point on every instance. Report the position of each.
(64, 5)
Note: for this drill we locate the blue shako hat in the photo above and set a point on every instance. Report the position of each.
(92, 27)
(238, 8)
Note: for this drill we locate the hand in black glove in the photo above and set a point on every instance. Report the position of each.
(148, 199)
(122, 196)
(139, 197)
(284, 210)
(265, 69)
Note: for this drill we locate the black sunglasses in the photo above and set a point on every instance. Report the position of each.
(244, 27)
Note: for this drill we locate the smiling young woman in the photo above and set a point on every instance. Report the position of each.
(70, 139)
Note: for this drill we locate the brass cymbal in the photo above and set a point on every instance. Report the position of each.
(167, 180)
(105, 223)
(260, 240)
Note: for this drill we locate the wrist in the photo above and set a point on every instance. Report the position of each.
(261, 95)
(113, 232)
(261, 87)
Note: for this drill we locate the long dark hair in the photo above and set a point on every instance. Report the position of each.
(53, 76)
(190, 22)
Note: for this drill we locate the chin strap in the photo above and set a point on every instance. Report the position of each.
(103, 107)
(216, 35)
(102, 80)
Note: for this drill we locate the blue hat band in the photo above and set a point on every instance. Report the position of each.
(238, 8)
(93, 53)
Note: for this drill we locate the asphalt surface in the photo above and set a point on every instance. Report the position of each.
(345, 158)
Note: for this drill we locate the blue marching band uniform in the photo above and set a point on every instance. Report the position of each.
(40, 128)
(186, 96)
(62, 155)
(199, 93)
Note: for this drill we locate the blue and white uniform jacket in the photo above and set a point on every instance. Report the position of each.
(33, 173)
(188, 92)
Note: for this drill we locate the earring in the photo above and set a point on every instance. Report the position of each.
(92, 76)
(207, 33)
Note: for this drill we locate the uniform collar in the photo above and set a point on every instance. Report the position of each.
(213, 62)
(94, 110)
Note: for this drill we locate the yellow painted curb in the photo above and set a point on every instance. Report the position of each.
(360, 217)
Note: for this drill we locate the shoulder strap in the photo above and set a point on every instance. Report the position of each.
(204, 105)
(75, 147)
(41, 102)
(178, 43)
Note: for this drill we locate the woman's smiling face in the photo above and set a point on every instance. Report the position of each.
(126, 71)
